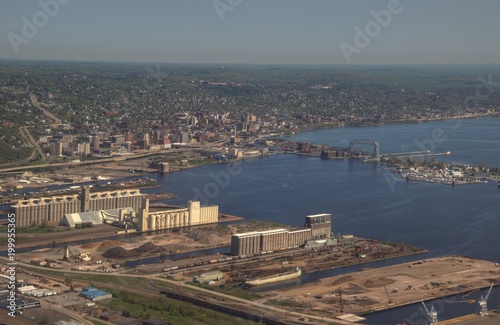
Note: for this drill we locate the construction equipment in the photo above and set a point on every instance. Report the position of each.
(431, 314)
(69, 251)
(85, 257)
(387, 294)
(339, 292)
(483, 308)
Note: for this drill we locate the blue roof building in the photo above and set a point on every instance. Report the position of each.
(94, 294)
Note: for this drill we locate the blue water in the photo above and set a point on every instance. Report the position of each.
(472, 141)
(366, 199)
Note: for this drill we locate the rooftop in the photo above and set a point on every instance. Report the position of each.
(319, 215)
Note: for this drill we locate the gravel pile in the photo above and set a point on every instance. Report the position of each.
(145, 249)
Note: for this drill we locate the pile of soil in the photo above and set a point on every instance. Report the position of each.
(378, 282)
(90, 245)
(107, 244)
(145, 249)
(196, 234)
(211, 239)
(117, 252)
(148, 248)
(204, 237)
(342, 280)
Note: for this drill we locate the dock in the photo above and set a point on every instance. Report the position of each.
(388, 287)
(492, 318)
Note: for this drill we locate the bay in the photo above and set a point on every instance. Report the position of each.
(365, 199)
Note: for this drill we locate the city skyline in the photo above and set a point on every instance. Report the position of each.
(251, 32)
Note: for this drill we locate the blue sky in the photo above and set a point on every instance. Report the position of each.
(251, 31)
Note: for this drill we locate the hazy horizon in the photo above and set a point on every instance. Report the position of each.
(275, 32)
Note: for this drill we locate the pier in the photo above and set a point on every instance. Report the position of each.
(416, 154)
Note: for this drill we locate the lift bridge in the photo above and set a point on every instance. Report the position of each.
(375, 144)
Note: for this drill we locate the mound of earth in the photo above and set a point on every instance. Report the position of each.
(204, 237)
(90, 245)
(117, 252)
(196, 234)
(378, 282)
(211, 239)
(342, 280)
(108, 244)
(148, 248)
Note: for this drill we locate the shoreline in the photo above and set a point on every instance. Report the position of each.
(374, 290)
(395, 122)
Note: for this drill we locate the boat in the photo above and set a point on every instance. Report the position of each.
(292, 274)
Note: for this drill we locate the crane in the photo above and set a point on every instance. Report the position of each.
(68, 251)
(483, 308)
(387, 294)
(431, 315)
(339, 291)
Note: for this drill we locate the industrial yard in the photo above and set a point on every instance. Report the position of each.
(382, 288)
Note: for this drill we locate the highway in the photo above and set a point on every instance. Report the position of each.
(35, 102)
(184, 289)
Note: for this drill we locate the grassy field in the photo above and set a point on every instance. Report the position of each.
(177, 312)
(285, 303)
(144, 306)
(38, 229)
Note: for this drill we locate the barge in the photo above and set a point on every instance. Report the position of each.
(292, 274)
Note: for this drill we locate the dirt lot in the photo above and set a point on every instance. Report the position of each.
(126, 247)
(365, 291)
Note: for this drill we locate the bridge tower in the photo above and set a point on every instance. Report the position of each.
(375, 144)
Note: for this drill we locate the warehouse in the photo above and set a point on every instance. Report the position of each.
(318, 227)
(94, 294)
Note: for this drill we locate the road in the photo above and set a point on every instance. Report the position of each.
(28, 138)
(136, 155)
(54, 118)
(67, 312)
(26, 135)
(243, 302)
(223, 299)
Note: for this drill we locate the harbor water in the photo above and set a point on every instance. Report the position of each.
(365, 199)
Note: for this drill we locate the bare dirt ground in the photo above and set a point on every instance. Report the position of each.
(365, 291)
(172, 242)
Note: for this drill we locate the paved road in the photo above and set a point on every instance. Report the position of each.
(231, 301)
(67, 312)
(28, 138)
(54, 118)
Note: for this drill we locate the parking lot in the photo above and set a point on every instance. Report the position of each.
(65, 299)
